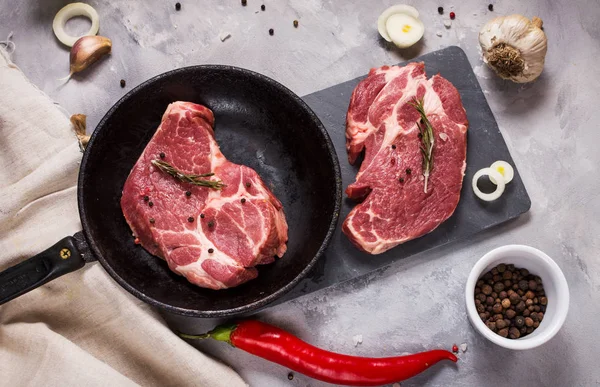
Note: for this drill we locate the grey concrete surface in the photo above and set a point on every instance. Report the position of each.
(550, 126)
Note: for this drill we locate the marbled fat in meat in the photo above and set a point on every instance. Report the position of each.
(211, 237)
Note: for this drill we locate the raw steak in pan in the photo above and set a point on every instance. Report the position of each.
(382, 122)
(212, 237)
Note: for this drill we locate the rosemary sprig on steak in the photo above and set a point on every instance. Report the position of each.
(192, 179)
(427, 140)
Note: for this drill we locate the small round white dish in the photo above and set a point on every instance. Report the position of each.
(555, 287)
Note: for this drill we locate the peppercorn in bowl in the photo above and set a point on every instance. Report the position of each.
(517, 297)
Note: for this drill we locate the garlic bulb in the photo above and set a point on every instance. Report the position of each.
(514, 47)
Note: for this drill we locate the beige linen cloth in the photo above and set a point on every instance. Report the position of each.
(81, 329)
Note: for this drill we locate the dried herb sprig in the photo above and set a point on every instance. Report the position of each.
(427, 140)
(192, 179)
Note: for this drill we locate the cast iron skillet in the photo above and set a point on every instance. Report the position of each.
(259, 123)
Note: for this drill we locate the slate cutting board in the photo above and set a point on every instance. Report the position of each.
(485, 144)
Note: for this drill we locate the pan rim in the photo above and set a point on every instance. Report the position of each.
(256, 305)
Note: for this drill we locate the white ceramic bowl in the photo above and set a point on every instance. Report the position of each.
(555, 286)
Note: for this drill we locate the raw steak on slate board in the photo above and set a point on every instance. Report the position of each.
(397, 205)
(212, 237)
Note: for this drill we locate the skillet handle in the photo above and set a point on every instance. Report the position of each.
(62, 258)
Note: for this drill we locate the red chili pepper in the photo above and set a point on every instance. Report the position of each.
(452, 15)
(281, 347)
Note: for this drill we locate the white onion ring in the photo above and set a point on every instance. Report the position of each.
(69, 11)
(492, 173)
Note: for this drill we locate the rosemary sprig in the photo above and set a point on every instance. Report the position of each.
(192, 179)
(427, 139)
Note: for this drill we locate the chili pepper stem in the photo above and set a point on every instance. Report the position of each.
(220, 333)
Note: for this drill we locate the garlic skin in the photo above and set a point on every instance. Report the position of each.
(514, 47)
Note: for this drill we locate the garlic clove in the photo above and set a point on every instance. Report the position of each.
(86, 51)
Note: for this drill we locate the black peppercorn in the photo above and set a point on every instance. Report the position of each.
(152, 220)
(211, 223)
(500, 324)
(501, 268)
(401, 180)
(489, 301)
(122, 83)
(262, 7)
(486, 289)
(191, 219)
(290, 376)
(441, 10)
(491, 325)
(295, 23)
(150, 204)
(507, 275)
(162, 155)
(497, 308)
(243, 200)
(408, 171)
(523, 285)
(511, 314)
(248, 185)
(503, 332)
(202, 216)
(498, 287)
(520, 307)
(244, 2)
(491, 7)
(519, 321)
(210, 251)
(146, 198)
(514, 298)
(177, 6)
(480, 308)
(188, 193)
(271, 31)
(393, 146)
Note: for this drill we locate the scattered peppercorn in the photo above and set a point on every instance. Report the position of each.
(177, 6)
(401, 180)
(191, 219)
(262, 7)
(243, 200)
(152, 220)
(290, 376)
(440, 10)
(146, 198)
(210, 251)
(244, 2)
(452, 15)
(393, 146)
(248, 185)
(122, 83)
(211, 223)
(150, 204)
(491, 7)
(271, 31)
(408, 171)
(162, 155)
(295, 23)
(202, 216)
(188, 193)
(510, 300)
